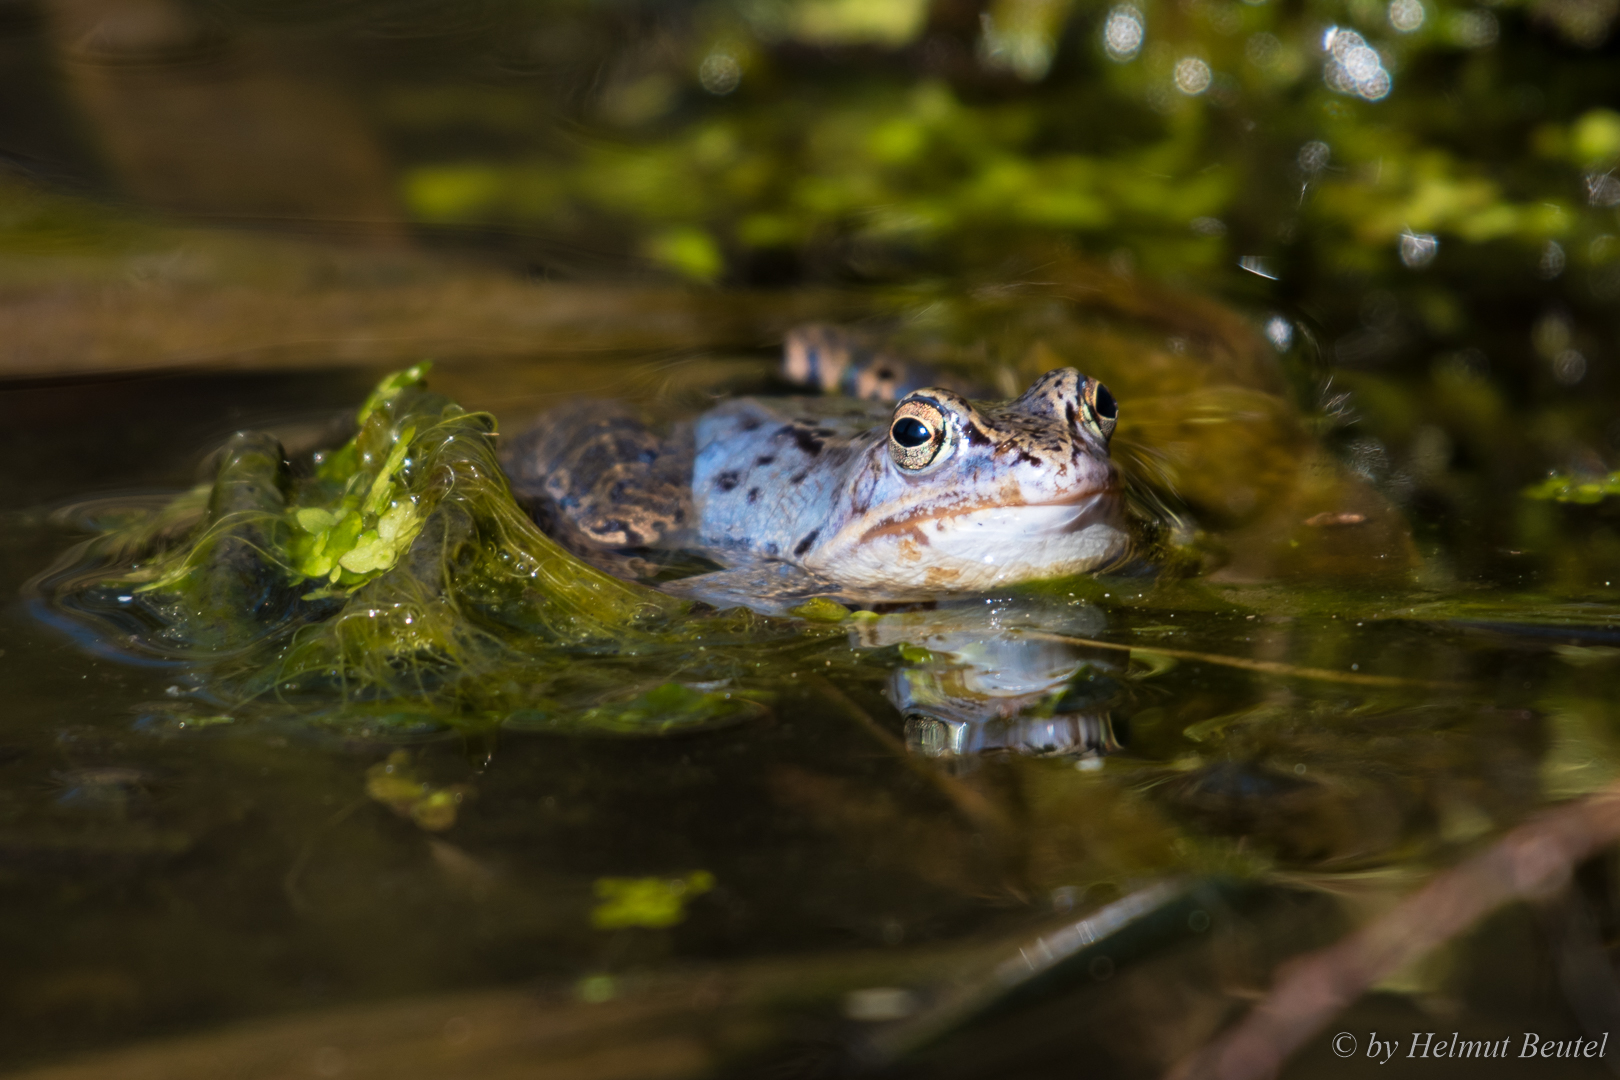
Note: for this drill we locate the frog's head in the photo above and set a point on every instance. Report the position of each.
(964, 496)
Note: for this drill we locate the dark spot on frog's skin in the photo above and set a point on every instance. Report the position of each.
(750, 424)
(753, 495)
(765, 459)
(976, 435)
(804, 437)
(804, 545)
(727, 480)
(1068, 410)
(798, 477)
(1027, 458)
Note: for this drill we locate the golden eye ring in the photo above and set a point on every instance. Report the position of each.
(916, 434)
(1101, 408)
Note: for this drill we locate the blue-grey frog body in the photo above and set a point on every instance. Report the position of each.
(932, 494)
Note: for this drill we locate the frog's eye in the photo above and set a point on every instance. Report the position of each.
(1101, 408)
(916, 434)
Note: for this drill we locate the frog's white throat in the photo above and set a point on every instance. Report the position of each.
(981, 549)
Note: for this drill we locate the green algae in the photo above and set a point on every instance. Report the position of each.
(393, 583)
(1583, 491)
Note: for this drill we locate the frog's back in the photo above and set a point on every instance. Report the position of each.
(767, 474)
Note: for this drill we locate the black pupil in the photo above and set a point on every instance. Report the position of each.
(908, 431)
(1104, 403)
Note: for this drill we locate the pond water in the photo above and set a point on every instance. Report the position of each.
(1278, 760)
(1349, 270)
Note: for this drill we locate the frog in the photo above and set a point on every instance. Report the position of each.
(894, 485)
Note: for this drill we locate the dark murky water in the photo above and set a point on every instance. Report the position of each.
(170, 869)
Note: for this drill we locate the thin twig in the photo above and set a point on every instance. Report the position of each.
(1269, 667)
(1530, 862)
(290, 881)
(969, 802)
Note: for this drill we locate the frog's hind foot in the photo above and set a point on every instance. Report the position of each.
(599, 481)
(836, 360)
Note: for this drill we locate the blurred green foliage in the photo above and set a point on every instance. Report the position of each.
(1572, 490)
(655, 903)
(884, 138)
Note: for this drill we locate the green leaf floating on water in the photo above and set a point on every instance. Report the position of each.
(821, 609)
(396, 585)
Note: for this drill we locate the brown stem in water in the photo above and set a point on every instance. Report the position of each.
(1530, 862)
(979, 811)
(1269, 667)
(290, 881)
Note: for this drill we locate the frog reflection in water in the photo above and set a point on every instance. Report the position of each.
(931, 496)
(1000, 673)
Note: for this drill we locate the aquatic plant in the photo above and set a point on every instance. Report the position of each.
(394, 581)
